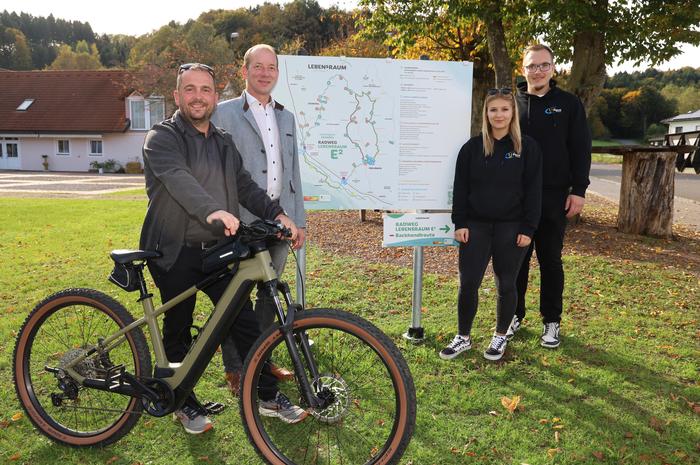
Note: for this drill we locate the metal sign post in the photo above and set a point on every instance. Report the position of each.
(415, 332)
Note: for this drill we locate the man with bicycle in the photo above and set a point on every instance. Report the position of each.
(195, 180)
(265, 135)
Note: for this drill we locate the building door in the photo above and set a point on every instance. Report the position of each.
(9, 153)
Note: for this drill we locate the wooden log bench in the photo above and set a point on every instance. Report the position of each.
(647, 188)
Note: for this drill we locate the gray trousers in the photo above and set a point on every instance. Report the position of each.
(264, 310)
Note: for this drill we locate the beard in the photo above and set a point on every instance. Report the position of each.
(195, 121)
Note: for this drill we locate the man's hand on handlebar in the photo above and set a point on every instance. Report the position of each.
(289, 224)
(227, 220)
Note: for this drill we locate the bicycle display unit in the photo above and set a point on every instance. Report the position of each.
(83, 370)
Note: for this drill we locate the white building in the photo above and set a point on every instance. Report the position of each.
(70, 119)
(685, 122)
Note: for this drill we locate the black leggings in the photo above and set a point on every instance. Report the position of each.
(487, 240)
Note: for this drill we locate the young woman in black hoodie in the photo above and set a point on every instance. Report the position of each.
(496, 207)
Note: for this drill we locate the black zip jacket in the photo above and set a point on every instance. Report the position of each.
(505, 186)
(557, 121)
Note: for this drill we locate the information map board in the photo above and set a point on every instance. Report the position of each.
(377, 134)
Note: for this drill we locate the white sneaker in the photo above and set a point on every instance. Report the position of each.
(193, 420)
(458, 345)
(550, 335)
(514, 327)
(282, 408)
(496, 348)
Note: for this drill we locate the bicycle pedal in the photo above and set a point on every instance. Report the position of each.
(214, 408)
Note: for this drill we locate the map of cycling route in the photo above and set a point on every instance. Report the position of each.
(343, 165)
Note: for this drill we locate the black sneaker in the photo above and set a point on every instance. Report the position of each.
(496, 348)
(550, 335)
(458, 345)
(514, 327)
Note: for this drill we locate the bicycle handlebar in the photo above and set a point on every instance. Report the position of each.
(258, 230)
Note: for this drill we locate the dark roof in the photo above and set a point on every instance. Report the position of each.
(64, 101)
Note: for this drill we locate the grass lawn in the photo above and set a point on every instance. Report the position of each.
(622, 389)
(606, 157)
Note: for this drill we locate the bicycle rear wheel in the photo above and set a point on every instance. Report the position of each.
(61, 328)
(371, 416)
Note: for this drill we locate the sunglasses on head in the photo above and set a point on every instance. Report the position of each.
(188, 66)
(502, 91)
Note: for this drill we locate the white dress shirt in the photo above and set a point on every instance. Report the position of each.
(267, 124)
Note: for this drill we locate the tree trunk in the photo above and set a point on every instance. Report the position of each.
(588, 67)
(646, 194)
(481, 82)
(498, 49)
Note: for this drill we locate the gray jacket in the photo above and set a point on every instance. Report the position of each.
(235, 118)
(174, 195)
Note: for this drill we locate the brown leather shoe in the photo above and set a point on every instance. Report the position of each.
(281, 373)
(233, 381)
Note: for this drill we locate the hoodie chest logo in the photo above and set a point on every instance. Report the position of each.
(511, 155)
(552, 110)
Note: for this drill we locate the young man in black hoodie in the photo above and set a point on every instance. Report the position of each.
(557, 121)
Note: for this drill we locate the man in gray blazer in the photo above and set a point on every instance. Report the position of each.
(265, 135)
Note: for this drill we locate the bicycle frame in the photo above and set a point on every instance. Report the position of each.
(181, 377)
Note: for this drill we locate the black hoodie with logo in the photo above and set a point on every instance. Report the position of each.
(505, 186)
(557, 121)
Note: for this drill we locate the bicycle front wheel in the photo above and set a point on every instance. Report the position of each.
(62, 328)
(370, 412)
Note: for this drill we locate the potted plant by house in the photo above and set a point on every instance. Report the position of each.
(111, 166)
(96, 166)
(45, 162)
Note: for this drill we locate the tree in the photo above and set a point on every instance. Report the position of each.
(642, 107)
(85, 56)
(687, 98)
(155, 57)
(596, 33)
(14, 51)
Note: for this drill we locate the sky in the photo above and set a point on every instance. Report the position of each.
(136, 17)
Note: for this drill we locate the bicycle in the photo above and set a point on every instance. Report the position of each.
(83, 374)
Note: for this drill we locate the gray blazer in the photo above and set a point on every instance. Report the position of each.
(234, 117)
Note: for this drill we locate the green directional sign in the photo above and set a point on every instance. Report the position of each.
(418, 229)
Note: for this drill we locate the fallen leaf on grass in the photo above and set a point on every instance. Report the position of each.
(599, 455)
(15, 456)
(203, 458)
(543, 421)
(552, 452)
(17, 416)
(494, 413)
(556, 436)
(629, 435)
(112, 460)
(656, 424)
(4, 424)
(510, 404)
(558, 426)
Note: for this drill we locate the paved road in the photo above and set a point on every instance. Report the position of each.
(605, 181)
(687, 183)
(66, 184)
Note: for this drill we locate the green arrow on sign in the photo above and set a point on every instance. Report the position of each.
(445, 228)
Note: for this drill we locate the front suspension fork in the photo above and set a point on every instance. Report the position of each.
(294, 342)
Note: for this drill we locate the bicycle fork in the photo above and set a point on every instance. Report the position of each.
(294, 342)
